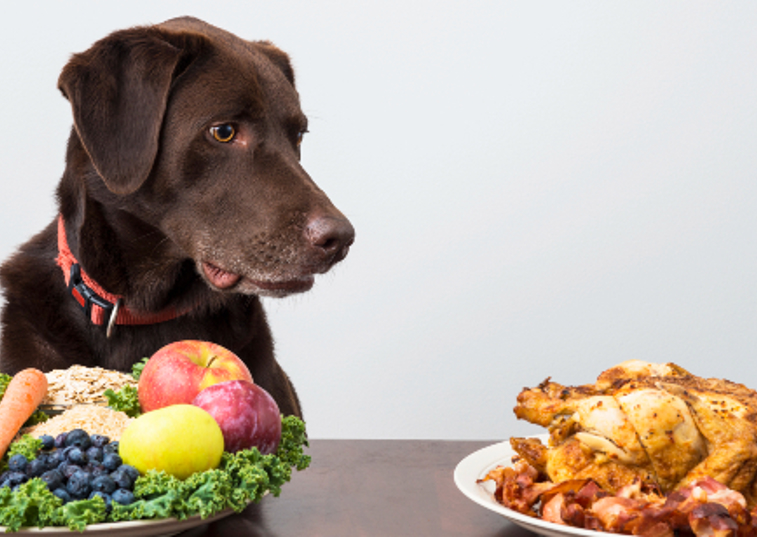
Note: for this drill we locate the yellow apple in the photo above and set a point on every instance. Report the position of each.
(178, 439)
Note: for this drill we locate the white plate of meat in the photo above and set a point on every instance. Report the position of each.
(477, 466)
(704, 509)
(648, 449)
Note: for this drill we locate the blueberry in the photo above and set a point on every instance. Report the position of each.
(77, 456)
(78, 484)
(111, 448)
(79, 438)
(54, 459)
(130, 471)
(53, 479)
(63, 495)
(99, 440)
(104, 483)
(4, 483)
(48, 442)
(111, 461)
(123, 479)
(17, 463)
(60, 440)
(36, 468)
(123, 496)
(68, 469)
(16, 478)
(97, 470)
(95, 453)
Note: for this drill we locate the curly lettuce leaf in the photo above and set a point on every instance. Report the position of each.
(208, 492)
(26, 446)
(251, 477)
(79, 514)
(32, 504)
(4, 381)
(126, 400)
(168, 504)
(293, 439)
(155, 483)
(137, 368)
(251, 485)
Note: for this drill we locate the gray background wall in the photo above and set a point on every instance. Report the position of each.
(539, 189)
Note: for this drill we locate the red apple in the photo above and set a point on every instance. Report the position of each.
(247, 414)
(176, 373)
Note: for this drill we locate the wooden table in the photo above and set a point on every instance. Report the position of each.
(382, 488)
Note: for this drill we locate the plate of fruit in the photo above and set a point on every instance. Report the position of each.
(151, 459)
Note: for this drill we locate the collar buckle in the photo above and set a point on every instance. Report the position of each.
(85, 296)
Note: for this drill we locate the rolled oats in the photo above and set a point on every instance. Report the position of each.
(95, 419)
(79, 384)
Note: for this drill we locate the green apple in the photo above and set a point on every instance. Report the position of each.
(178, 439)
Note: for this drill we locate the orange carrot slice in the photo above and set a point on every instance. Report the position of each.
(22, 396)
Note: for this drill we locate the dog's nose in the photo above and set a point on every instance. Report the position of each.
(330, 237)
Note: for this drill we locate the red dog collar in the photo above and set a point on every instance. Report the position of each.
(100, 306)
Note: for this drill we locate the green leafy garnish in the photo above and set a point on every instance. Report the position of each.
(126, 400)
(293, 437)
(136, 369)
(77, 515)
(31, 505)
(27, 445)
(4, 381)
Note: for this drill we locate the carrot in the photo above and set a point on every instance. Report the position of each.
(22, 396)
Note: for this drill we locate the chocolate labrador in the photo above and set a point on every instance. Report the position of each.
(182, 202)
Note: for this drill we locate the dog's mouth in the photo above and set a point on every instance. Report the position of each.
(218, 277)
(224, 280)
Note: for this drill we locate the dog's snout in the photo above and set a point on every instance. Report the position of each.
(330, 237)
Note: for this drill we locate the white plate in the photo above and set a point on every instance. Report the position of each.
(479, 463)
(137, 528)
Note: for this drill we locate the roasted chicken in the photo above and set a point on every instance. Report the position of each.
(655, 422)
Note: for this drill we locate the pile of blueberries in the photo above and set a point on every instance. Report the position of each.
(76, 466)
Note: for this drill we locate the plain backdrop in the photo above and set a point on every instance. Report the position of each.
(539, 189)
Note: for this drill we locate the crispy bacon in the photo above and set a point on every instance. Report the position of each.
(704, 508)
(712, 520)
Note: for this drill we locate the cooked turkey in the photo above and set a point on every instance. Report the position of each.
(657, 422)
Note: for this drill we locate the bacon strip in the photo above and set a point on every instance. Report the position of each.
(704, 508)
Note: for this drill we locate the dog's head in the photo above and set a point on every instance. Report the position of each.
(198, 133)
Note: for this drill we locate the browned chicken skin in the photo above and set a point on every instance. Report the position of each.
(657, 422)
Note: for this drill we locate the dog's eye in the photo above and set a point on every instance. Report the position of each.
(223, 133)
(300, 136)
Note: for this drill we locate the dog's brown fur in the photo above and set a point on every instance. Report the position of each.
(153, 204)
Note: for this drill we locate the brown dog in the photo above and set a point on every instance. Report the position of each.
(182, 201)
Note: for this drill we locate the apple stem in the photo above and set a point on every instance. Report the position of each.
(212, 359)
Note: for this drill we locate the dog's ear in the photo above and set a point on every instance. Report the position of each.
(118, 91)
(278, 57)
